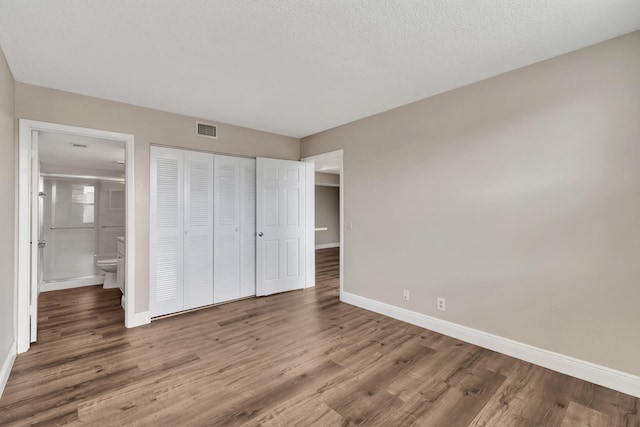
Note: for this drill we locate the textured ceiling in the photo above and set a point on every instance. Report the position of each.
(292, 67)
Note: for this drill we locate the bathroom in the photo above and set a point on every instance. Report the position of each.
(82, 212)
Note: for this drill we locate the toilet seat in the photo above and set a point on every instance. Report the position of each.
(109, 266)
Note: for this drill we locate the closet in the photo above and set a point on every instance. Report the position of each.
(202, 229)
(234, 228)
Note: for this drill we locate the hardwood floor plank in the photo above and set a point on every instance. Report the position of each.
(578, 415)
(297, 358)
(299, 413)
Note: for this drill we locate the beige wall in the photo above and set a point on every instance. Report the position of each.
(516, 198)
(327, 179)
(7, 210)
(148, 127)
(327, 214)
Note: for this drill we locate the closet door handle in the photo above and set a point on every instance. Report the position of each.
(260, 234)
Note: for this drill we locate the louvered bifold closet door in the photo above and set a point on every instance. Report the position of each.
(198, 229)
(226, 214)
(247, 227)
(166, 231)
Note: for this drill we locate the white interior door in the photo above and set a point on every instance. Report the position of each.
(280, 225)
(198, 229)
(166, 231)
(226, 228)
(35, 238)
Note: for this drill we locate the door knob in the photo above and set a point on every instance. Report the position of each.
(260, 234)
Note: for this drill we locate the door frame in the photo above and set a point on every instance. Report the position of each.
(23, 220)
(310, 213)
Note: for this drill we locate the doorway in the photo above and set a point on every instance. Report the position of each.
(72, 212)
(327, 170)
(81, 208)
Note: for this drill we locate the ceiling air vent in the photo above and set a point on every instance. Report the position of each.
(207, 130)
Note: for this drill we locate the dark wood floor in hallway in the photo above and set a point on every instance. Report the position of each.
(298, 358)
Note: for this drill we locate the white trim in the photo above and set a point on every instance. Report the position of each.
(87, 177)
(130, 319)
(25, 127)
(140, 319)
(328, 185)
(310, 218)
(597, 374)
(23, 333)
(328, 245)
(7, 364)
(71, 283)
(34, 235)
(342, 260)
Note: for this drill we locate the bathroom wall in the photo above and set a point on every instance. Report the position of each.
(69, 228)
(111, 218)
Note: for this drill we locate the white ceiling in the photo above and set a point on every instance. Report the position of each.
(289, 66)
(58, 155)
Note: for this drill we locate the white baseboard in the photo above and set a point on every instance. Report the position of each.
(597, 374)
(140, 319)
(328, 245)
(7, 364)
(71, 283)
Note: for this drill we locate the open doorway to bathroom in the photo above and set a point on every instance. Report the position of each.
(75, 203)
(82, 213)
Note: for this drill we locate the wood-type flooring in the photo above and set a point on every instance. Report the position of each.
(300, 358)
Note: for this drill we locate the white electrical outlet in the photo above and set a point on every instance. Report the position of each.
(405, 294)
(441, 304)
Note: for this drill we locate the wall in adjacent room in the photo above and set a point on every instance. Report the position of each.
(328, 215)
(330, 179)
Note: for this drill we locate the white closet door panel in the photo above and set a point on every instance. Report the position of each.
(226, 214)
(247, 227)
(166, 228)
(280, 202)
(227, 270)
(198, 229)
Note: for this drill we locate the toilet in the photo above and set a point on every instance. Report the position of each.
(110, 267)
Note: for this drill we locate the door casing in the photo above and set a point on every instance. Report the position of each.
(310, 208)
(23, 221)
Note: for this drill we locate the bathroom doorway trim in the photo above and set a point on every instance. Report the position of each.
(26, 128)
